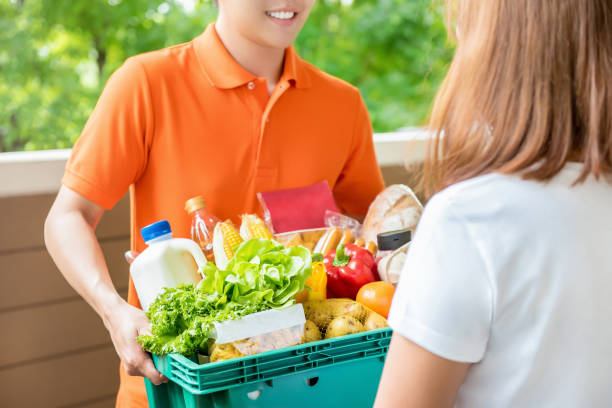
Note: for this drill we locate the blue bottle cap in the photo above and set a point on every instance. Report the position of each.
(155, 230)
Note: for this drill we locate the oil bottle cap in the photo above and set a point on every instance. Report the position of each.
(195, 204)
(389, 241)
(155, 230)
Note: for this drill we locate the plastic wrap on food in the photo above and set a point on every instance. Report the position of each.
(306, 238)
(297, 208)
(344, 222)
(258, 333)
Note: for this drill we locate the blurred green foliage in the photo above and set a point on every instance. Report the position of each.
(55, 56)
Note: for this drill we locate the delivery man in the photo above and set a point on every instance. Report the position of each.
(229, 114)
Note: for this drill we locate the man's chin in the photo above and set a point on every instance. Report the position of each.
(276, 42)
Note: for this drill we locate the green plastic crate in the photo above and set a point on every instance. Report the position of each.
(340, 372)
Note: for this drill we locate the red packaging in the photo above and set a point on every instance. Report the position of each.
(297, 208)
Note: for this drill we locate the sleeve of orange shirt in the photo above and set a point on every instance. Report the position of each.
(111, 152)
(361, 179)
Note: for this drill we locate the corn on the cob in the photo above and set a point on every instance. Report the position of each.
(225, 241)
(253, 227)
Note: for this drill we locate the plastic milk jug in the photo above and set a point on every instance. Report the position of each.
(166, 262)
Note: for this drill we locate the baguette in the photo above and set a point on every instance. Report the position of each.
(396, 208)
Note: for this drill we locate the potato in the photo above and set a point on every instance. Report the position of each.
(343, 325)
(311, 332)
(318, 312)
(374, 322)
(356, 311)
(321, 312)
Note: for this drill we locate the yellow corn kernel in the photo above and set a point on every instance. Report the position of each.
(231, 239)
(253, 227)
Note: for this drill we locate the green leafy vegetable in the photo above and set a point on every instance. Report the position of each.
(262, 275)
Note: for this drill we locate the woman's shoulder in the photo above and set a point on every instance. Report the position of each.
(489, 199)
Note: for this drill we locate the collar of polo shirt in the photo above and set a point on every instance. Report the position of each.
(224, 72)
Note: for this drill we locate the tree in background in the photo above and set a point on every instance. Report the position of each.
(55, 56)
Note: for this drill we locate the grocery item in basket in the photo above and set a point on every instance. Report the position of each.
(258, 333)
(202, 225)
(392, 240)
(377, 296)
(342, 326)
(391, 266)
(329, 241)
(262, 275)
(344, 222)
(225, 241)
(166, 262)
(374, 321)
(305, 238)
(253, 227)
(316, 284)
(335, 236)
(311, 332)
(297, 208)
(396, 208)
(339, 317)
(348, 269)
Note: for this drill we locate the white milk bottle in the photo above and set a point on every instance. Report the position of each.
(166, 262)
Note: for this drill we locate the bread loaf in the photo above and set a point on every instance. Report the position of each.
(396, 208)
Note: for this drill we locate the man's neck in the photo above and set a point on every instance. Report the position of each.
(263, 62)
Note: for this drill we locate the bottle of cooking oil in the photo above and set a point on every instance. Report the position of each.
(202, 225)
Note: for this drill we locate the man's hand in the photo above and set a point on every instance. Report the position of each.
(70, 239)
(125, 323)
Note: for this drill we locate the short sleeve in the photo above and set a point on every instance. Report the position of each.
(361, 179)
(443, 301)
(112, 150)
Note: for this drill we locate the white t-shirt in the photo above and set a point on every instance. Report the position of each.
(515, 276)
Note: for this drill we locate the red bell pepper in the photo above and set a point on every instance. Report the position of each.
(348, 269)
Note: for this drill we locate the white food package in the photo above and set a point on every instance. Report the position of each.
(391, 266)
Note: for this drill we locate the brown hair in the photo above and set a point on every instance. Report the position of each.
(529, 88)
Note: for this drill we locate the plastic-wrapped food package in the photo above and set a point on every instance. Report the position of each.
(298, 208)
(344, 222)
(258, 333)
(306, 238)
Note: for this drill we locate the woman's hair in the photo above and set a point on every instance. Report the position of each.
(529, 88)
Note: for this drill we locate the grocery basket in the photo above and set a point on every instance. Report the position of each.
(339, 372)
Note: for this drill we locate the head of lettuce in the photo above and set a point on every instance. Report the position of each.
(262, 275)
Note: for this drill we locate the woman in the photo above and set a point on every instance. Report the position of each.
(505, 300)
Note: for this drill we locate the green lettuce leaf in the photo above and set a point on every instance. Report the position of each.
(262, 275)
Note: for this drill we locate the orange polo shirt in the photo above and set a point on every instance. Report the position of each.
(189, 120)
